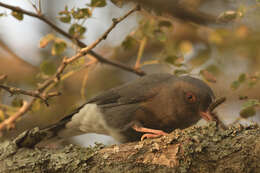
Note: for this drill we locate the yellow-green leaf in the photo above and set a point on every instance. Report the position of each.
(129, 43)
(2, 115)
(46, 40)
(77, 30)
(48, 67)
(81, 13)
(17, 102)
(58, 47)
(98, 3)
(17, 15)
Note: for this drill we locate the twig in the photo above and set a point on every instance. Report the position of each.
(216, 103)
(83, 51)
(44, 97)
(9, 123)
(100, 58)
(41, 91)
(140, 52)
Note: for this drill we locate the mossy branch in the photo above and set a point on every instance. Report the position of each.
(193, 150)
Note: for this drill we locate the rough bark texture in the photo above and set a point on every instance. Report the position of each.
(196, 149)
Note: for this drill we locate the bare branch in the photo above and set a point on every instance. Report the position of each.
(44, 97)
(42, 89)
(79, 43)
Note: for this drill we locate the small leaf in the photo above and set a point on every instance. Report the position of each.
(118, 3)
(2, 115)
(242, 77)
(36, 105)
(17, 15)
(77, 30)
(171, 59)
(98, 3)
(2, 14)
(58, 47)
(247, 112)
(48, 67)
(235, 85)
(65, 18)
(165, 23)
(81, 13)
(161, 36)
(248, 108)
(250, 103)
(46, 40)
(17, 102)
(129, 43)
(179, 72)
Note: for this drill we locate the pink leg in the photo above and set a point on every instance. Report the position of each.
(150, 133)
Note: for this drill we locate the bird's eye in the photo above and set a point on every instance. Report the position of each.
(191, 98)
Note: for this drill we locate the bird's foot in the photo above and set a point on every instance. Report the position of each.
(149, 133)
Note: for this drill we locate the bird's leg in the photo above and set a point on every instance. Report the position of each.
(149, 133)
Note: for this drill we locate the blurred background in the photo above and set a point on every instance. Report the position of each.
(215, 40)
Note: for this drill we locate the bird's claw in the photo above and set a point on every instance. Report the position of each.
(149, 133)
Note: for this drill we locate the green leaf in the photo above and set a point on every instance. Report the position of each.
(46, 40)
(98, 3)
(17, 15)
(235, 85)
(77, 30)
(179, 72)
(129, 43)
(2, 115)
(171, 59)
(161, 36)
(242, 77)
(2, 14)
(58, 47)
(65, 15)
(247, 112)
(81, 13)
(248, 108)
(118, 3)
(65, 18)
(48, 67)
(165, 23)
(250, 103)
(17, 102)
(201, 58)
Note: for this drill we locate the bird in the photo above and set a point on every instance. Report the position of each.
(148, 107)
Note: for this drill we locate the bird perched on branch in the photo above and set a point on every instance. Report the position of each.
(150, 106)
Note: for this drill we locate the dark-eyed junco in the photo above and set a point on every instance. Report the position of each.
(150, 106)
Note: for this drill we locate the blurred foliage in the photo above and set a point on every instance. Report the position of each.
(248, 108)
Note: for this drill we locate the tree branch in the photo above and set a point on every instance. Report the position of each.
(42, 89)
(79, 43)
(196, 149)
(43, 96)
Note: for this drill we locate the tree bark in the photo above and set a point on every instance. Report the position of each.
(205, 149)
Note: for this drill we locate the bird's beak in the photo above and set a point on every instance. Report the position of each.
(206, 116)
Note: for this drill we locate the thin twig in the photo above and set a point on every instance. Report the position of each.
(140, 53)
(9, 122)
(83, 51)
(100, 58)
(43, 88)
(44, 97)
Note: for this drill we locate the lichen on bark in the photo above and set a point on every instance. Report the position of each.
(195, 149)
